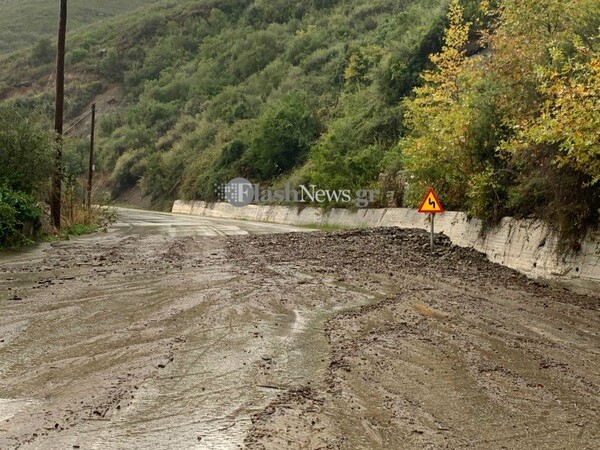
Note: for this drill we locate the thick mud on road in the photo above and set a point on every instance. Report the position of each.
(172, 332)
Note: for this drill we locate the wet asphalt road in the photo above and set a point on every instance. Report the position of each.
(131, 221)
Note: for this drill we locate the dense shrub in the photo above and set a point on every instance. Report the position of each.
(128, 170)
(43, 52)
(18, 212)
(284, 135)
(350, 153)
(26, 150)
(112, 66)
(76, 56)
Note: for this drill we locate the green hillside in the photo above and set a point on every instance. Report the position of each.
(395, 95)
(25, 22)
(206, 83)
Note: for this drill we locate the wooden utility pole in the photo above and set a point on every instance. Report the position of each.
(91, 166)
(58, 114)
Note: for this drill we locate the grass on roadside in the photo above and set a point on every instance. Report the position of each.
(80, 229)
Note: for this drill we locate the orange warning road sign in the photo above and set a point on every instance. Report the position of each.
(431, 203)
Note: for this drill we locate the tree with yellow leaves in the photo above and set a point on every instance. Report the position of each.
(515, 131)
(434, 151)
(570, 117)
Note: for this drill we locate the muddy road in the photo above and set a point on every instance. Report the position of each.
(176, 332)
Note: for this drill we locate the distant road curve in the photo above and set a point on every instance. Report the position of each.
(133, 221)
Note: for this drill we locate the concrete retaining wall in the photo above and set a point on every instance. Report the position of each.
(528, 246)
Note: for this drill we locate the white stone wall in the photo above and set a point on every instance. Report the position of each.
(527, 245)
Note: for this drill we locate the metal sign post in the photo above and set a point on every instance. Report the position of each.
(432, 219)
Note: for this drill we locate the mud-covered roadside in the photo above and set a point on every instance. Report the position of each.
(464, 353)
(351, 339)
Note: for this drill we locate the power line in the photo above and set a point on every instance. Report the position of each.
(76, 121)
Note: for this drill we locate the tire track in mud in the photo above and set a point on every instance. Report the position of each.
(87, 347)
(155, 341)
